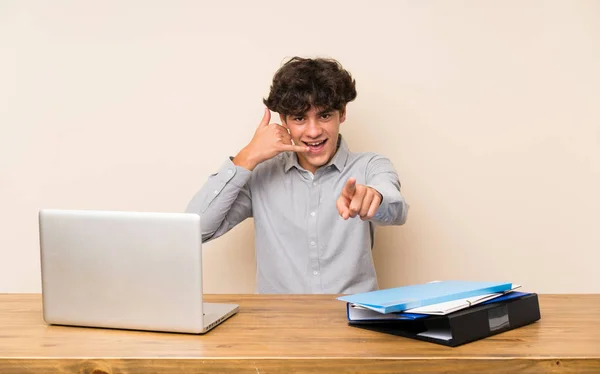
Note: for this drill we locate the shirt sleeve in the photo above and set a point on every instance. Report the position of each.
(224, 201)
(382, 176)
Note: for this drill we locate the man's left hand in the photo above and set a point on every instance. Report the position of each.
(358, 200)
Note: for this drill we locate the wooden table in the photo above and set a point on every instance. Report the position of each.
(307, 333)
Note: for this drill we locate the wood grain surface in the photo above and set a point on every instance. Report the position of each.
(300, 334)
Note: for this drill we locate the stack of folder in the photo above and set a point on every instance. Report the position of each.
(450, 313)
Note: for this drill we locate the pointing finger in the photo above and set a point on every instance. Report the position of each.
(349, 188)
(357, 202)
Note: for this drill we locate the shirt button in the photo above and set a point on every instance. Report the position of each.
(315, 272)
(312, 243)
(230, 171)
(216, 192)
(312, 214)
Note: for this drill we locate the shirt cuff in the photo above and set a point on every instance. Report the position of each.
(231, 173)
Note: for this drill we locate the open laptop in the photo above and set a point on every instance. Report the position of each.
(125, 270)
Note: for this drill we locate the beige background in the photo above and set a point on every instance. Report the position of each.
(490, 111)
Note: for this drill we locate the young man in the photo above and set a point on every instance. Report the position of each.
(314, 203)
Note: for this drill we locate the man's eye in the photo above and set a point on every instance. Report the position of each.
(298, 119)
(326, 115)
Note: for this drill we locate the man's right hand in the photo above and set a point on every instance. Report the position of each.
(270, 139)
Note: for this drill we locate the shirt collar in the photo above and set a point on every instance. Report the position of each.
(338, 160)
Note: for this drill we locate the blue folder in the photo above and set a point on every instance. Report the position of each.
(374, 317)
(401, 298)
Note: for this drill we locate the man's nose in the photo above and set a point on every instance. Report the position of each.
(313, 129)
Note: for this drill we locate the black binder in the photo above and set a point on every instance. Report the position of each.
(463, 326)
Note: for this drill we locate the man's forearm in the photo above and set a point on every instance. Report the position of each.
(223, 201)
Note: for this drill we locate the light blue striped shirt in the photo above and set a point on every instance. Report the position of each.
(302, 244)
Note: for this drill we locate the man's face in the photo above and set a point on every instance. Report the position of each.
(318, 129)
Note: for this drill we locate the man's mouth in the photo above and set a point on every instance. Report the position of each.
(316, 147)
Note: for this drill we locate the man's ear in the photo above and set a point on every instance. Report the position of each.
(342, 114)
(283, 119)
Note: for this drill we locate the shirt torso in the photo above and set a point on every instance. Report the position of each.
(303, 245)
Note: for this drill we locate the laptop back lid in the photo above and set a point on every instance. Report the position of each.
(130, 270)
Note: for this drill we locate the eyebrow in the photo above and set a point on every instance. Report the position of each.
(320, 113)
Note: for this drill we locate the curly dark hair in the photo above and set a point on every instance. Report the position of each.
(303, 82)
